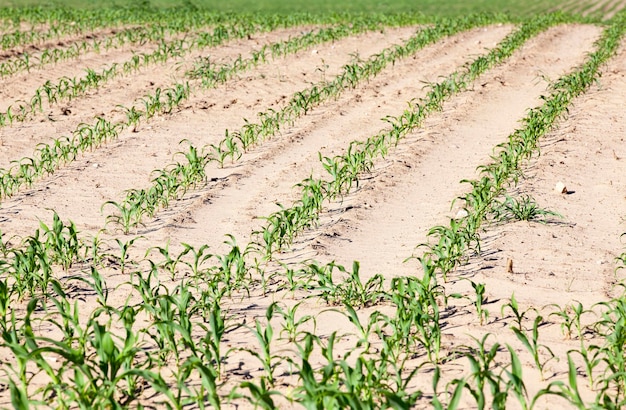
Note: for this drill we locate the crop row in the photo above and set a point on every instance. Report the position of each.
(521, 145)
(49, 157)
(175, 179)
(71, 88)
(134, 36)
(145, 25)
(229, 274)
(345, 170)
(491, 376)
(603, 363)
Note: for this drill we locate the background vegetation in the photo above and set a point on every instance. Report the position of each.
(428, 7)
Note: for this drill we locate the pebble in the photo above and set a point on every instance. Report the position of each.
(560, 188)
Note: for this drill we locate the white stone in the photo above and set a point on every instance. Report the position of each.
(560, 188)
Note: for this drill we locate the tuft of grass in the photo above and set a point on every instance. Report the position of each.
(523, 208)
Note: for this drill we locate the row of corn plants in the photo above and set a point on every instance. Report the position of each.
(229, 274)
(115, 354)
(415, 325)
(494, 380)
(491, 376)
(416, 322)
(26, 37)
(70, 88)
(60, 21)
(55, 23)
(120, 38)
(156, 30)
(521, 145)
(27, 61)
(412, 309)
(173, 181)
(345, 170)
(505, 381)
(49, 157)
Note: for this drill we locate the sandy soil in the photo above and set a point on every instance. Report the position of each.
(410, 191)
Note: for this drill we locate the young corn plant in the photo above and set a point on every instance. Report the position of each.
(483, 314)
(533, 346)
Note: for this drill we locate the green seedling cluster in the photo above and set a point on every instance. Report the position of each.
(212, 74)
(48, 157)
(521, 209)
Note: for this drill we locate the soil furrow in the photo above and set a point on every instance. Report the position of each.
(597, 8)
(63, 118)
(24, 85)
(159, 309)
(55, 41)
(586, 154)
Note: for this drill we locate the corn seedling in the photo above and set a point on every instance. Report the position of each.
(533, 346)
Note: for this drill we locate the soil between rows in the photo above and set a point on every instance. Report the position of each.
(415, 188)
(269, 176)
(390, 214)
(568, 260)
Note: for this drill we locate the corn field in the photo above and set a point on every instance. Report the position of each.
(227, 210)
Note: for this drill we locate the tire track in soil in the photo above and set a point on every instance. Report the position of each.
(19, 141)
(269, 176)
(105, 174)
(412, 191)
